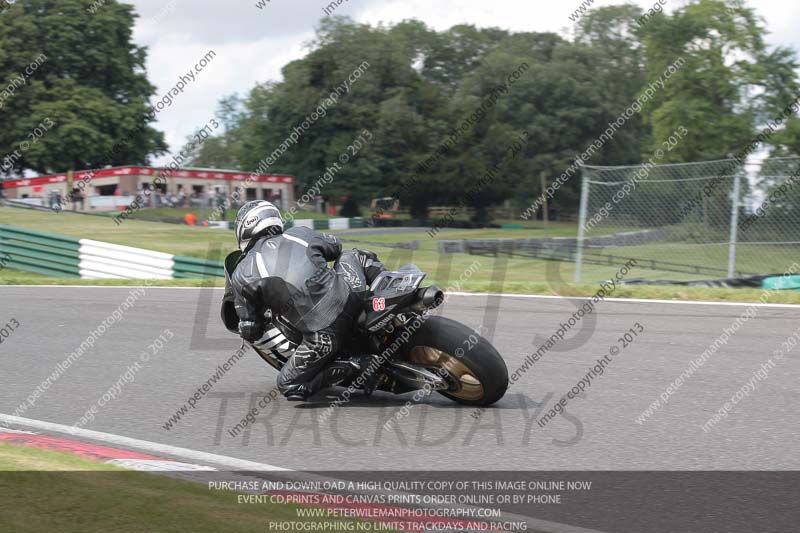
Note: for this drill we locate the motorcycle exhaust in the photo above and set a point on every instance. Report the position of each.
(430, 297)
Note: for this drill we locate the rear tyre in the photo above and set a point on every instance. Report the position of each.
(480, 376)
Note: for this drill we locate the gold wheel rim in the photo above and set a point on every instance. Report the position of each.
(470, 387)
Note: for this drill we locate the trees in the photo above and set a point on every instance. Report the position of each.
(91, 86)
(610, 36)
(422, 86)
(730, 84)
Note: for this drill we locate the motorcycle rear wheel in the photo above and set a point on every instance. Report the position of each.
(479, 372)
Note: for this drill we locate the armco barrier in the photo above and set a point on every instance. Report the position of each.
(187, 267)
(57, 255)
(40, 252)
(321, 224)
(311, 223)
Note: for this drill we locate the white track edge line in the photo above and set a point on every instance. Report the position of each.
(222, 460)
(530, 296)
(624, 300)
(153, 447)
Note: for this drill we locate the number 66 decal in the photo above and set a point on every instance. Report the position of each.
(379, 304)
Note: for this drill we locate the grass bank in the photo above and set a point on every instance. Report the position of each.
(457, 271)
(44, 490)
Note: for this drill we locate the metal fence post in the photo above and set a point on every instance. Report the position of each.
(545, 206)
(581, 223)
(737, 185)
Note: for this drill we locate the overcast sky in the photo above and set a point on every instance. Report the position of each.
(253, 44)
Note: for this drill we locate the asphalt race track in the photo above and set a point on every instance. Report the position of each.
(598, 432)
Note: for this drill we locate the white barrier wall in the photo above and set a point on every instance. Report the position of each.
(339, 223)
(106, 202)
(305, 223)
(105, 260)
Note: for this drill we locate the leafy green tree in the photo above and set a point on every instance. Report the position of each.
(787, 141)
(617, 64)
(91, 84)
(421, 84)
(731, 81)
(452, 54)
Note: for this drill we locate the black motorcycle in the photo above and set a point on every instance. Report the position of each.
(407, 347)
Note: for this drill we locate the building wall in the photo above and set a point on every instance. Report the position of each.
(130, 182)
(125, 185)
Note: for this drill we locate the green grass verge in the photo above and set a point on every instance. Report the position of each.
(10, 276)
(53, 491)
(750, 258)
(459, 271)
(532, 230)
(170, 238)
(15, 458)
(475, 285)
(178, 213)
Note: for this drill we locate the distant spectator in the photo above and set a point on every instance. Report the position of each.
(54, 199)
(220, 201)
(77, 197)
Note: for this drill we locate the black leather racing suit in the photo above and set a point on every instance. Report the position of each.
(289, 275)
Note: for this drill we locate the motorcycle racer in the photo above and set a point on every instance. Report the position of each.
(286, 274)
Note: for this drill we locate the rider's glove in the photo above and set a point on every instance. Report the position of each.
(251, 331)
(364, 255)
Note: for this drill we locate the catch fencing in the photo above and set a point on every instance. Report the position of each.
(718, 218)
